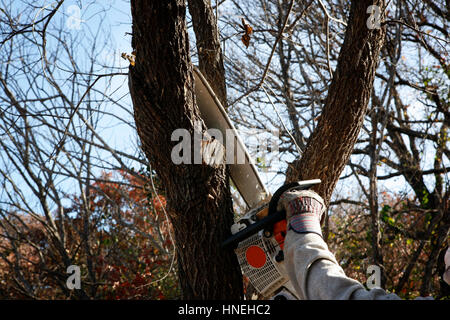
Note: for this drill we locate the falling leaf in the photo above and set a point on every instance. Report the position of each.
(248, 30)
(246, 40)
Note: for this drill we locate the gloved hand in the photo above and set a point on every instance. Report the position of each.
(446, 275)
(305, 210)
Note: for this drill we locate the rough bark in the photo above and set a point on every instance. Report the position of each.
(330, 146)
(199, 202)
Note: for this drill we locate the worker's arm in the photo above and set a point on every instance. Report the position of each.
(312, 268)
(316, 275)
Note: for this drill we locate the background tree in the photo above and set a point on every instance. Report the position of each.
(129, 239)
(59, 93)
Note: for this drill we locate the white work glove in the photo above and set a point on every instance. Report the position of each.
(446, 275)
(305, 210)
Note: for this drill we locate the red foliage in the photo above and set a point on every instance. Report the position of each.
(129, 245)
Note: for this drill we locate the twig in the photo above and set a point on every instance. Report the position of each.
(170, 234)
(328, 48)
(299, 150)
(329, 16)
(266, 69)
(415, 29)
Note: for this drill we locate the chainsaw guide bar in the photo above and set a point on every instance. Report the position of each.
(245, 176)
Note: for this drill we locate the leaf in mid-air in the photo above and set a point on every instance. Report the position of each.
(248, 30)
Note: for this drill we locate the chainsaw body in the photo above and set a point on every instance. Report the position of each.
(261, 259)
(258, 241)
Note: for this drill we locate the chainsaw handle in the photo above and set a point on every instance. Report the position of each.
(273, 216)
(273, 204)
(267, 221)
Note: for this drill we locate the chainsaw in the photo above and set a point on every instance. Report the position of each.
(258, 236)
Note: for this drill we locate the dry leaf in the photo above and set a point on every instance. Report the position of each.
(131, 58)
(247, 32)
(246, 40)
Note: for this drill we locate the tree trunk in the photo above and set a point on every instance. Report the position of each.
(374, 153)
(331, 144)
(199, 201)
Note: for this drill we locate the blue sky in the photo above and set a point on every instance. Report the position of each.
(110, 21)
(118, 18)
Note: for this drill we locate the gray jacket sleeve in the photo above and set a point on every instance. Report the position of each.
(316, 275)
